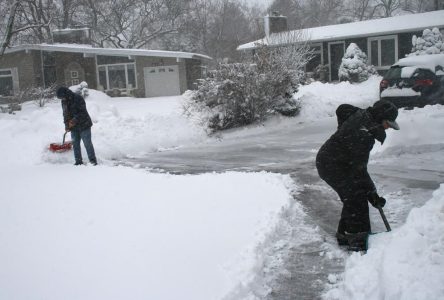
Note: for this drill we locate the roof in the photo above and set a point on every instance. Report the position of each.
(87, 49)
(376, 27)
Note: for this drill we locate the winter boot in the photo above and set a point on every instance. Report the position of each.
(78, 163)
(357, 241)
(342, 239)
(93, 162)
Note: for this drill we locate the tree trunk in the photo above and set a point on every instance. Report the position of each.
(9, 28)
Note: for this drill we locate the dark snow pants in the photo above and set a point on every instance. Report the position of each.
(352, 191)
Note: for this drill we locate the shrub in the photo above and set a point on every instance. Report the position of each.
(431, 42)
(354, 66)
(239, 94)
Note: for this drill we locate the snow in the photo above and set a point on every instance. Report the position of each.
(80, 48)
(114, 232)
(111, 232)
(407, 263)
(424, 61)
(402, 92)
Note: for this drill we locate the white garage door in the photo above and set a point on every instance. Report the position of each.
(161, 81)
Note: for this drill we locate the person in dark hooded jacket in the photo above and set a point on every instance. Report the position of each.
(78, 121)
(342, 163)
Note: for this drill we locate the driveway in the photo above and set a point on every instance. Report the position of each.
(405, 179)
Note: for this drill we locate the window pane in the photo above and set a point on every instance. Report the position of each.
(102, 77)
(313, 63)
(6, 87)
(5, 72)
(50, 75)
(49, 59)
(117, 79)
(131, 75)
(388, 52)
(108, 60)
(374, 52)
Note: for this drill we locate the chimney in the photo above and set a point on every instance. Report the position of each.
(274, 23)
(72, 36)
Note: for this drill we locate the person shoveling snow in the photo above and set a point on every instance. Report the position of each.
(78, 121)
(342, 163)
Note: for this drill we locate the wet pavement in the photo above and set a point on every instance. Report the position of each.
(291, 149)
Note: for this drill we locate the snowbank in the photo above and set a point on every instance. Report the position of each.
(407, 263)
(119, 233)
(320, 100)
(122, 127)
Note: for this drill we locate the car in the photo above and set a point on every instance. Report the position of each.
(414, 81)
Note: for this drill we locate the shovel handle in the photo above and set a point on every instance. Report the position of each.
(64, 136)
(386, 223)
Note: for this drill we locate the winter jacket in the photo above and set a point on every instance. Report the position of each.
(345, 155)
(74, 109)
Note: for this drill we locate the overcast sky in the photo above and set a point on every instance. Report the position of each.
(262, 3)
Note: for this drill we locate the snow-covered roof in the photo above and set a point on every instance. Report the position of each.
(383, 26)
(87, 49)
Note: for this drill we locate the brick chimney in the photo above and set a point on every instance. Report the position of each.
(274, 23)
(72, 36)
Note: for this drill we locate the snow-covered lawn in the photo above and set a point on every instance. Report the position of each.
(111, 232)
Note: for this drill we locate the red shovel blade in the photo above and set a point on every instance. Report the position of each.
(57, 147)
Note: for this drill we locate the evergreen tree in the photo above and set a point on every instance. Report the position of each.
(354, 67)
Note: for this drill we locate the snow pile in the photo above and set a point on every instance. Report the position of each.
(408, 263)
(431, 42)
(122, 127)
(421, 128)
(103, 232)
(354, 66)
(320, 100)
(119, 233)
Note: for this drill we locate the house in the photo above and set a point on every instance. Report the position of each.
(135, 72)
(383, 40)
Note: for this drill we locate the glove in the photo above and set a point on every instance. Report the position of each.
(71, 123)
(376, 201)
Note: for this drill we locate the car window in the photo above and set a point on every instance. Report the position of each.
(423, 74)
(393, 73)
(439, 70)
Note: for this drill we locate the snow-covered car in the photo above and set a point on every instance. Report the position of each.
(415, 81)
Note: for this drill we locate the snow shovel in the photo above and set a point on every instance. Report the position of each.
(386, 223)
(64, 146)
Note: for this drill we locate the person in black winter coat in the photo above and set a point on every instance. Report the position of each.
(78, 121)
(342, 163)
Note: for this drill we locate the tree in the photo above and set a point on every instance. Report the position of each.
(431, 42)
(27, 17)
(354, 66)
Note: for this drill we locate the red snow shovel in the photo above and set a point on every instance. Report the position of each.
(64, 146)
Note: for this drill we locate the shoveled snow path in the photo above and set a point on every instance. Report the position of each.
(299, 256)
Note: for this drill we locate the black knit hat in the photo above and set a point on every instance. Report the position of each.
(62, 92)
(384, 110)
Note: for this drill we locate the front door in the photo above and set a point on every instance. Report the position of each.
(336, 52)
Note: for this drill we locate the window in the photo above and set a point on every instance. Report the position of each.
(49, 68)
(316, 60)
(117, 76)
(74, 74)
(6, 83)
(75, 82)
(383, 51)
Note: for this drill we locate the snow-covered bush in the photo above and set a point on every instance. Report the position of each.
(239, 94)
(354, 67)
(431, 42)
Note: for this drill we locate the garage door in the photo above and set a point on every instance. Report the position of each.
(161, 81)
